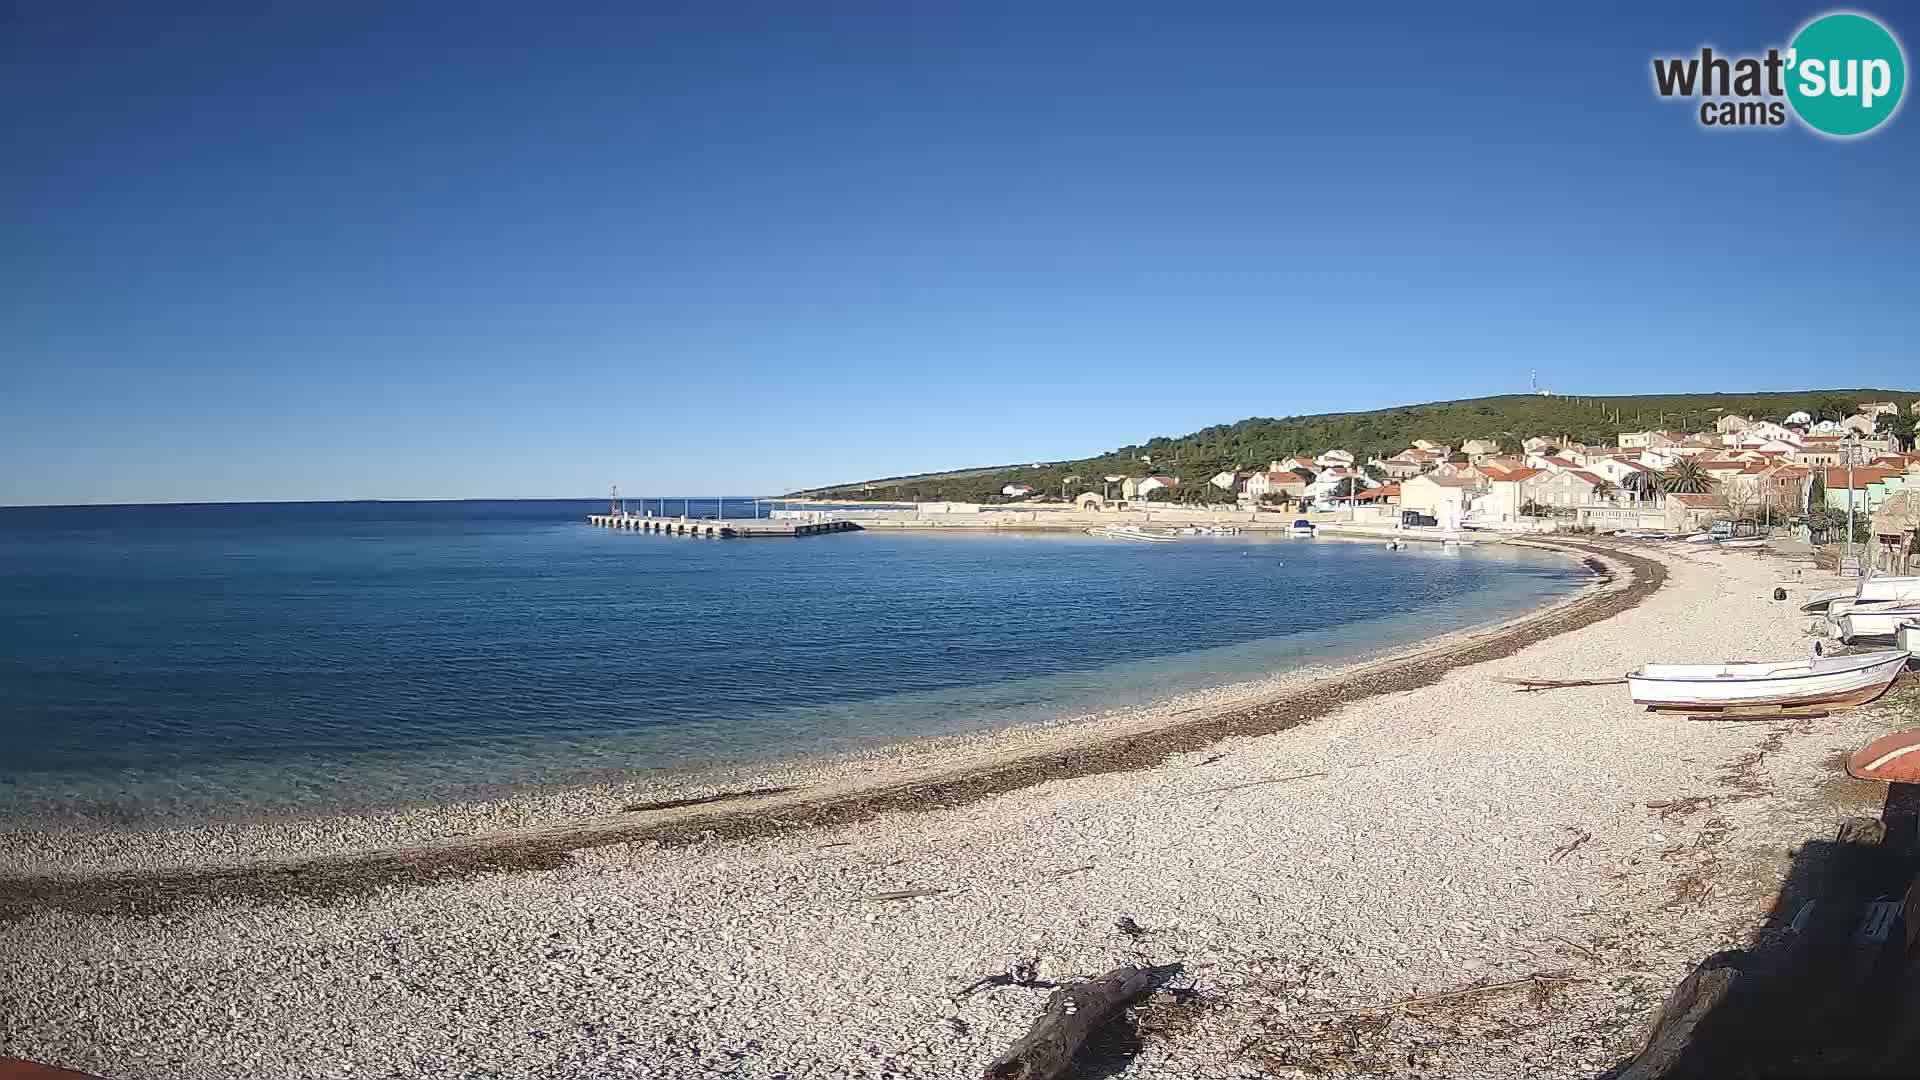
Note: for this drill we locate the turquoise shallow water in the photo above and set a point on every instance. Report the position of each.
(223, 660)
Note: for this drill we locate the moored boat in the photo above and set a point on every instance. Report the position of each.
(1837, 681)
(1301, 527)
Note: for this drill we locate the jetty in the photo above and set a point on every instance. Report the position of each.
(723, 528)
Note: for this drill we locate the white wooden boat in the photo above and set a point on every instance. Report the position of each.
(1817, 603)
(1835, 681)
(1132, 532)
(1744, 542)
(1696, 538)
(1889, 588)
(1907, 639)
(1851, 605)
(1876, 621)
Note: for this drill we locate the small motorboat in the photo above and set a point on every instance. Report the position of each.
(1875, 621)
(1301, 527)
(1696, 538)
(1818, 603)
(1132, 532)
(1744, 542)
(1830, 681)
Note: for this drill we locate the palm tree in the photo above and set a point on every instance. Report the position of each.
(1604, 489)
(1686, 477)
(1640, 484)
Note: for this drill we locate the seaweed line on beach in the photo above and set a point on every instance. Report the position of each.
(339, 877)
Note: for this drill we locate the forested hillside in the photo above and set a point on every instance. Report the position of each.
(1257, 440)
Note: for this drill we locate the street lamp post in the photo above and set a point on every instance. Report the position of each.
(1847, 447)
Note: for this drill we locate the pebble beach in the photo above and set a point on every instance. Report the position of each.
(1338, 872)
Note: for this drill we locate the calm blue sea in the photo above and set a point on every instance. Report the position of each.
(222, 660)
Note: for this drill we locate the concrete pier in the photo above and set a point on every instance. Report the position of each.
(707, 528)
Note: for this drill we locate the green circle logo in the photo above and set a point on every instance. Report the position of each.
(1845, 73)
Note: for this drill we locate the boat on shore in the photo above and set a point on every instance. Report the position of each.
(1818, 603)
(1131, 532)
(1876, 622)
(1832, 681)
(1744, 542)
(1907, 638)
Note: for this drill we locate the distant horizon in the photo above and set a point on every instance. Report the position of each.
(829, 485)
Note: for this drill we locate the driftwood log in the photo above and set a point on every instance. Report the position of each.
(1073, 1013)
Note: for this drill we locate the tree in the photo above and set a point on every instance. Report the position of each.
(1604, 489)
(1817, 490)
(1533, 509)
(1348, 488)
(1161, 494)
(1686, 477)
(1902, 428)
(1640, 485)
(1833, 407)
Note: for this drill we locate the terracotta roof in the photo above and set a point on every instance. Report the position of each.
(1564, 463)
(1589, 477)
(1446, 481)
(1516, 475)
(1862, 475)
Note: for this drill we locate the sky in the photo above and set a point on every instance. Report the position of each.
(439, 250)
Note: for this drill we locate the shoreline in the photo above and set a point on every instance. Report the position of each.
(1456, 842)
(569, 793)
(937, 773)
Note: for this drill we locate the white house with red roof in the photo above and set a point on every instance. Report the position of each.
(1327, 483)
(1274, 482)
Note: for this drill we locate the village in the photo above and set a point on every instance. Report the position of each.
(1797, 474)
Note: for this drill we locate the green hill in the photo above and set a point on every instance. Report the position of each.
(1381, 432)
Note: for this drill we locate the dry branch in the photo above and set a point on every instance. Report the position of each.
(1529, 685)
(1570, 846)
(904, 894)
(1250, 783)
(1538, 978)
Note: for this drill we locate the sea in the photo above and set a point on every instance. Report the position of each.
(178, 663)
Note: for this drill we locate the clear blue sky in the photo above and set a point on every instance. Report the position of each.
(468, 250)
